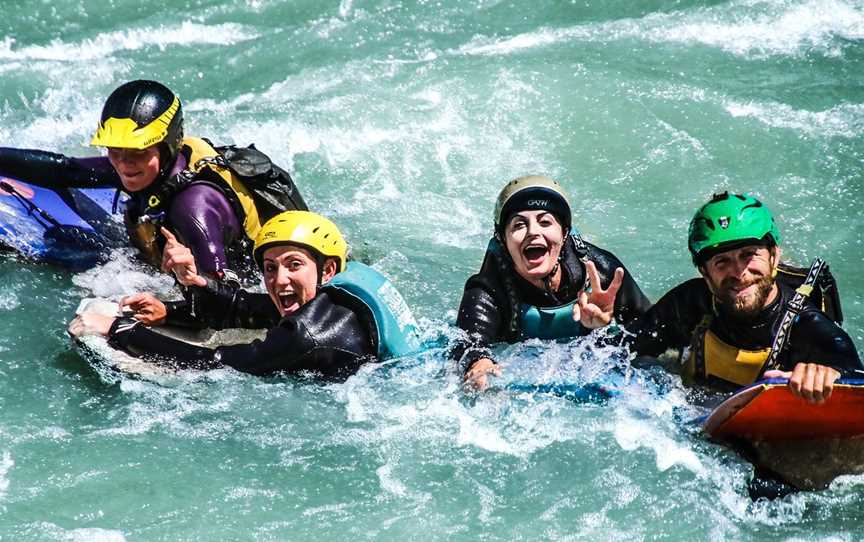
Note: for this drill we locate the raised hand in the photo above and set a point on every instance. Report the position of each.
(596, 309)
(178, 259)
(145, 308)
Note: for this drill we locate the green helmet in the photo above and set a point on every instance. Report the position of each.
(729, 221)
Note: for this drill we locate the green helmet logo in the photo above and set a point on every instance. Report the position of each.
(729, 221)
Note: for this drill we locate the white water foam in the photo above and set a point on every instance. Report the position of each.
(124, 275)
(51, 531)
(745, 28)
(844, 120)
(632, 434)
(186, 33)
(6, 464)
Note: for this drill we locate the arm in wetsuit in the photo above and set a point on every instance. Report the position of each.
(206, 223)
(815, 338)
(324, 337)
(671, 321)
(221, 306)
(480, 317)
(56, 171)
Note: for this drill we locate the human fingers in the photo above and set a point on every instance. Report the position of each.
(617, 280)
(593, 276)
(776, 373)
(173, 258)
(479, 382)
(74, 328)
(808, 375)
(134, 300)
(476, 376)
(168, 235)
(818, 386)
(90, 324)
(825, 378)
(481, 366)
(596, 316)
(797, 378)
(176, 254)
(577, 307)
(808, 386)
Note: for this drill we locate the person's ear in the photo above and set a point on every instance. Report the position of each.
(330, 269)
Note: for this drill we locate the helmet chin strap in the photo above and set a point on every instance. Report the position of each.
(547, 280)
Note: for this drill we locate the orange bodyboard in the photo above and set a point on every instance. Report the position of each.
(768, 411)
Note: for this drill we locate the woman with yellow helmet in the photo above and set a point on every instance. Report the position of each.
(323, 313)
(172, 181)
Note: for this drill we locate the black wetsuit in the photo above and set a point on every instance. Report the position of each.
(814, 338)
(331, 335)
(486, 312)
(199, 214)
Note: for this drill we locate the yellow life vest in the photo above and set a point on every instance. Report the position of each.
(723, 361)
(202, 167)
(201, 158)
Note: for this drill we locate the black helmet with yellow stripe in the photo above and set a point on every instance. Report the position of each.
(140, 114)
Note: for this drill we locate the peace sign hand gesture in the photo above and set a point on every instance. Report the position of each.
(596, 309)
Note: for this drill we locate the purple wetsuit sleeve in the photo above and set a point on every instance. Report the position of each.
(206, 223)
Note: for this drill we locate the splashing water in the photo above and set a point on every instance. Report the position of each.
(401, 121)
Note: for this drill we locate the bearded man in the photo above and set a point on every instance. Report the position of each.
(725, 323)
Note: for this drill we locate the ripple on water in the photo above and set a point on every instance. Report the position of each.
(748, 29)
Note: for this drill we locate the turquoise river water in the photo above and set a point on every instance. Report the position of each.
(401, 120)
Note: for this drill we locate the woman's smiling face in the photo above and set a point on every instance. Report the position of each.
(137, 168)
(534, 240)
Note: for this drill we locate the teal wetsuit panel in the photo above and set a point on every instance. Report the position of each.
(548, 323)
(397, 329)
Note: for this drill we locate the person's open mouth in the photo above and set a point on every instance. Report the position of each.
(287, 300)
(535, 254)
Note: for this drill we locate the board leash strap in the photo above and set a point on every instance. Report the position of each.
(30, 206)
(793, 308)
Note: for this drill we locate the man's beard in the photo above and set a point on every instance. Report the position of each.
(748, 307)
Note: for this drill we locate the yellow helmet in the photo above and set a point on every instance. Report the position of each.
(140, 114)
(306, 229)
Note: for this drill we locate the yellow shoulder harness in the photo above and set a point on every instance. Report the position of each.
(202, 156)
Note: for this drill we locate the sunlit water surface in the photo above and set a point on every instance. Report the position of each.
(401, 121)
